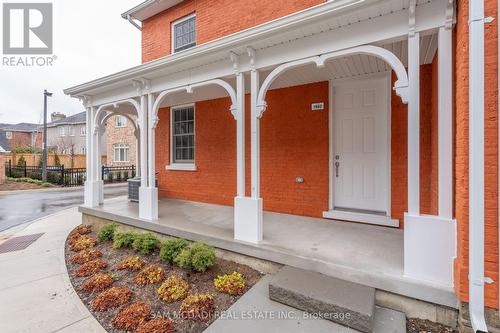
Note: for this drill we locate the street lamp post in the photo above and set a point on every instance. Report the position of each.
(44, 144)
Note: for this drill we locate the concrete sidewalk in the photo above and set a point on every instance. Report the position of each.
(35, 292)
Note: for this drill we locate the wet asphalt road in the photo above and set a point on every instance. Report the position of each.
(21, 207)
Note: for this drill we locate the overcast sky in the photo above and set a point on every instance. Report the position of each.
(91, 40)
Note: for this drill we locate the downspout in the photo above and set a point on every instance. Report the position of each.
(476, 165)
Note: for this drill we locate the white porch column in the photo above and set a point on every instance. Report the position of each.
(430, 241)
(248, 211)
(100, 182)
(91, 191)
(151, 211)
(240, 135)
(143, 124)
(445, 146)
(148, 195)
(414, 124)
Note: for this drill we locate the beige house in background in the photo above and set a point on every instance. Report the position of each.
(66, 135)
(120, 141)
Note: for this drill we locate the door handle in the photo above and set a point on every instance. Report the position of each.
(337, 164)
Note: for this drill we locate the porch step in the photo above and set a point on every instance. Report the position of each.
(343, 302)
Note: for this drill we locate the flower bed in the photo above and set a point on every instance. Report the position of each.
(128, 293)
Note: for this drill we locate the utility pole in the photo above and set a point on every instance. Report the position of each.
(44, 144)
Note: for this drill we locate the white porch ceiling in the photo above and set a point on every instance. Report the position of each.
(355, 65)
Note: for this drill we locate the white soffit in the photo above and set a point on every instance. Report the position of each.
(150, 8)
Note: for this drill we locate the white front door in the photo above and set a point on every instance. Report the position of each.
(361, 145)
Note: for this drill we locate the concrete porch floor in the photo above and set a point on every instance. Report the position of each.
(365, 254)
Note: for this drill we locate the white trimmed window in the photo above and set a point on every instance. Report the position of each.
(83, 131)
(8, 135)
(62, 131)
(184, 33)
(71, 131)
(121, 152)
(183, 134)
(121, 121)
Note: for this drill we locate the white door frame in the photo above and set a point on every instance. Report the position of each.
(382, 220)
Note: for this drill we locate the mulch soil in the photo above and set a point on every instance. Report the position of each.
(414, 325)
(199, 282)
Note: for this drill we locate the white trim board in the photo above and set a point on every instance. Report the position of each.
(361, 217)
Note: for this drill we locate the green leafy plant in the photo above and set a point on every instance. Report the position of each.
(232, 284)
(173, 289)
(123, 239)
(145, 243)
(107, 232)
(198, 256)
(171, 248)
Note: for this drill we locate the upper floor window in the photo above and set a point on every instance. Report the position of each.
(62, 131)
(121, 152)
(184, 33)
(71, 131)
(121, 121)
(83, 131)
(183, 134)
(8, 135)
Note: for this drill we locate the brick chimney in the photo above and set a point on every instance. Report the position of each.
(54, 116)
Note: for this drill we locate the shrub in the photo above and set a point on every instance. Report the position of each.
(121, 239)
(232, 284)
(47, 185)
(145, 243)
(173, 289)
(91, 267)
(150, 275)
(158, 325)
(85, 256)
(106, 232)
(96, 283)
(171, 248)
(21, 162)
(111, 298)
(131, 264)
(82, 243)
(198, 256)
(57, 160)
(132, 316)
(198, 307)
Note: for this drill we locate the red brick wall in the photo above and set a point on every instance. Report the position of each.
(294, 143)
(399, 147)
(462, 151)
(214, 19)
(23, 139)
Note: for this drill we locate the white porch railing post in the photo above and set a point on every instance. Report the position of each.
(414, 124)
(445, 146)
(240, 135)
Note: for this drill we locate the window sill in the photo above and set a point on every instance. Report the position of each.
(181, 167)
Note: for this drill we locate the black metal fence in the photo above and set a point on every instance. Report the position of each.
(59, 175)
